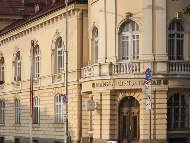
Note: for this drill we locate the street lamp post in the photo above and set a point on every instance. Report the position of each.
(66, 73)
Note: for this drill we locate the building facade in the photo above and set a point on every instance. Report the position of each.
(110, 45)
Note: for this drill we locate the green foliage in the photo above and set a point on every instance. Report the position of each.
(186, 11)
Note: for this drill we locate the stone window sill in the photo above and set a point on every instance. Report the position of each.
(58, 125)
(35, 125)
(17, 125)
(2, 124)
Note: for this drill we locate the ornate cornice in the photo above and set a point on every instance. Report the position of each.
(43, 22)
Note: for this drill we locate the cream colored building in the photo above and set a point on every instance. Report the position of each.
(111, 44)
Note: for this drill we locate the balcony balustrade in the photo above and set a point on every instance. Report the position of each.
(110, 69)
(178, 67)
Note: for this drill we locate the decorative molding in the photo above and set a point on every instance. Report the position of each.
(131, 92)
(35, 42)
(17, 97)
(125, 20)
(184, 91)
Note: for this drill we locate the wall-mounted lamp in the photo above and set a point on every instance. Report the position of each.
(178, 15)
(128, 14)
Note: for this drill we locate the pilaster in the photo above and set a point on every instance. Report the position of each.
(146, 52)
(160, 35)
(102, 32)
(109, 116)
(85, 119)
(161, 113)
(110, 30)
(97, 123)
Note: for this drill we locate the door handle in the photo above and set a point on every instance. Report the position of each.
(130, 128)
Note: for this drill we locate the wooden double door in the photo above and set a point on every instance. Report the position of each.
(129, 122)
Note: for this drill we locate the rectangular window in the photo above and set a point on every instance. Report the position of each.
(36, 110)
(2, 73)
(19, 69)
(60, 59)
(2, 139)
(18, 111)
(37, 62)
(135, 47)
(2, 112)
(125, 47)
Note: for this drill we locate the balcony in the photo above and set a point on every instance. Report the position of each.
(110, 69)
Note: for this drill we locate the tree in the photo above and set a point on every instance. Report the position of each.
(186, 10)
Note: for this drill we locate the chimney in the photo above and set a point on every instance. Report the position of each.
(37, 8)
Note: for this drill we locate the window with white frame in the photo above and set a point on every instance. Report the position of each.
(36, 110)
(176, 41)
(17, 111)
(177, 114)
(96, 46)
(18, 67)
(37, 61)
(2, 112)
(2, 69)
(129, 41)
(59, 108)
(60, 56)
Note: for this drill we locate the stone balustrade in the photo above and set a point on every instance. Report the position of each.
(179, 67)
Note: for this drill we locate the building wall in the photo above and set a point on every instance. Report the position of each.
(45, 32)
(108, 81)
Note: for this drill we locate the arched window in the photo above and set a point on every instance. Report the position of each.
(2, 72)
(60, 56)
(177, 114)
(129, 41)
(96, 46)
(176, 41)
(37, 61)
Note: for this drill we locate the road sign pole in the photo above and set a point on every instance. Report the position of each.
(148, 90)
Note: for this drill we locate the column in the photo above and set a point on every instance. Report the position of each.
(110, 30)
(146, 51)
(160, 35)
(102, 32)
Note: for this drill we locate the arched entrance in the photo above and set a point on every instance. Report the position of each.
(129, 119)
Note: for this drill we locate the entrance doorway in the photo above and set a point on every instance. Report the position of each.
(129, 119)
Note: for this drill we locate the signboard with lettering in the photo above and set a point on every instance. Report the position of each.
(90, 105)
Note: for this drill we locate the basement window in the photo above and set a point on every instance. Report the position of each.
(21, 9)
